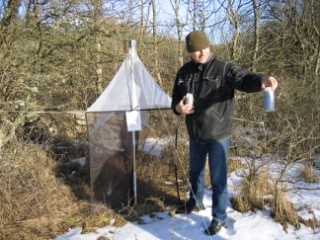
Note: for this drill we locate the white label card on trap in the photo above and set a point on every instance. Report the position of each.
(133, 121)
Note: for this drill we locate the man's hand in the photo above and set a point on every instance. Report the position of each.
(184, 109)
(269, 82)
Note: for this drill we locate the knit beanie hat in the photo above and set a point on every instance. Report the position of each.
(196, 41)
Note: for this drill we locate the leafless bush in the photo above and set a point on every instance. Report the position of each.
(290, 137)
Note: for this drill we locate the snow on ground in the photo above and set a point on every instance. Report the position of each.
(155, 146)
(246, 226)
(241, 226)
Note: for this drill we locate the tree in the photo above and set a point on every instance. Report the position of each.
(201, 11)
(236, 13)
(179, 26)
(11, 9)
(258, 9)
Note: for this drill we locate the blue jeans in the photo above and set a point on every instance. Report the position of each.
(217, 152)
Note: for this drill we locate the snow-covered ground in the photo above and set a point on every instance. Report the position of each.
(241, 226)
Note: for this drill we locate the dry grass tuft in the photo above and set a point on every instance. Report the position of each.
(284, 211)
(311, 222)
(91, 222)
(254, 193)
(134, 213)
(309, 174)
(235, 164)
(36, 202)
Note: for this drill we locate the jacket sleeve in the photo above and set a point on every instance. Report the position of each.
(241, 79)
(176, 96)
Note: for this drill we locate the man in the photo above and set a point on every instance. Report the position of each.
(212, 82)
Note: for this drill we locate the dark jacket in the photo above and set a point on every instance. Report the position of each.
(212, 84)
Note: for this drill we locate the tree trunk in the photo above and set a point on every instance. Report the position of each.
(10, 16)
(179, 30)
(256, 34)
(97, 18)
(155, 41)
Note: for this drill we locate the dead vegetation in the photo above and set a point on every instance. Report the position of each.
(45, 192)
(33, 199)
(254, 193)
(309, 173)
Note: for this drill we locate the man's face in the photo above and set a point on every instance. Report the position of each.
(200, 56)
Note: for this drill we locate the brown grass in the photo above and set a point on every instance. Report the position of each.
(36, 203)
(284, 211)
(41, 200)
(309, 173)
(235, 164)
(254, 193)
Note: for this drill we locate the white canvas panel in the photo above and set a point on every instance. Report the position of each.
(132, 88)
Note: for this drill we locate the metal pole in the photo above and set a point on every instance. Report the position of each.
(134, 168)
(132, 46)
